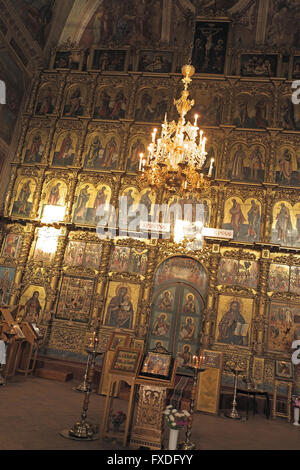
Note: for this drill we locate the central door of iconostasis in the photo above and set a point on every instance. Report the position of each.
(177, 307)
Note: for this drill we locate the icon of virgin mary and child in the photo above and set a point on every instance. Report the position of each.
(120, 309)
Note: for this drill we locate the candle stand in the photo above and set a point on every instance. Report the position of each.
(233, 414)
(82, 430)
(195, 365)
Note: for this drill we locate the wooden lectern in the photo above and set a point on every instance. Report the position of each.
(29, 348)
(147, 430)
(15, 339)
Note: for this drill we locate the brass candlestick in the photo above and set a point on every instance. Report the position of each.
(82, 430)
(233, 414)
(84, 386)
(195, 364)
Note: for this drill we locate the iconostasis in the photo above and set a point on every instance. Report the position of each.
(83, 130)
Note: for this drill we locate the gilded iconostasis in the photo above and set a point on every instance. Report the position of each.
(90, 114)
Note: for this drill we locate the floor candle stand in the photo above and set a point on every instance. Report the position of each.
(195, 365)
(82, 430)
(233, 414)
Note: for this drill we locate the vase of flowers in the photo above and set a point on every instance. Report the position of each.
(175, 421)
(117, 419)
(296, 405)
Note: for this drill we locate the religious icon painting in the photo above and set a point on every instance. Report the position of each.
(296, 68)
(138, 146)
(165, 300)
(286, 224)
(234, 272)
(121, 305)
(284, 326)
(152, 105)
(188, 328)
(22, 205)
(279, 278)
(7, 276)
(185, 352)
(289, 115)
(243, 218)
(129, 260)
(209, 105)
(284, 370)
(295, 280)
(35, 147)
(156, 364)
(75, 299)
(258, 65)
(158, 343)
(75, 101)
(182, 268)
(54, 194)
(287, 166)
(155, 61)
(102, 152)
(160, 325)
(71, 60)
(65, 148)
(234, 320)
(252, 112)
(247, 164)
(12, 245)
(44, 247)
(83, 254)
(109, 60)
(92, 204)
(32, 304)
(118, 340)
(46, 100)
(209, 49)
(111, 103)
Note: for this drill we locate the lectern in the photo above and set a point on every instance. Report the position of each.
(29, 348)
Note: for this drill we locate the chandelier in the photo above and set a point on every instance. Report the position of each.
(175, 160)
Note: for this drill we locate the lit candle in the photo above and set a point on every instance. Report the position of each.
(196, 118)
(203, 144)
(141, 158)
(211, 166)
(153, 135)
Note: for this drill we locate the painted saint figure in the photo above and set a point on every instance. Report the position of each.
(237, 217)
(254, 221)
(32, 308)
(120, 310)
(161, 327)
(231, 329)
(187, 330)
(23, 198)
(237, 165)
(256, 163)
(83, 199)
(33, 155)
(286, 166)
(54, 195)
(283, 223)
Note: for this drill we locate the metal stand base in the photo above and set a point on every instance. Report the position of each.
(187, 446)
(82, 388)
(233, 415)
(82, 431)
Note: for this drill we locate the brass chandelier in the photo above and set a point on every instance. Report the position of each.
(175, 160)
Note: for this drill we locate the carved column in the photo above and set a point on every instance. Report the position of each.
(35, 87)
(262, 305)
(209, 312)
(267, 227)
(8, 199)
(28, 238)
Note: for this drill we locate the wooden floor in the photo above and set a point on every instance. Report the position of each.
(34, 410)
